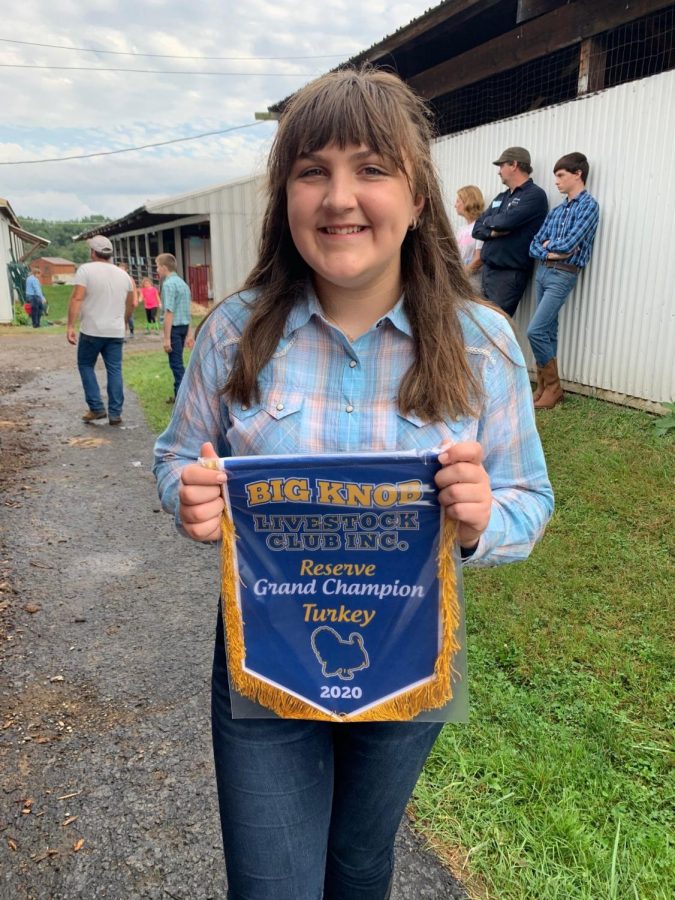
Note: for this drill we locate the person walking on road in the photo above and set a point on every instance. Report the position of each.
(506, 228)
(35, 297)
(563, 245)
(103, 297)
(176, 300)
(359, 305)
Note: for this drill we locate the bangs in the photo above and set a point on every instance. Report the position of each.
(347, 109)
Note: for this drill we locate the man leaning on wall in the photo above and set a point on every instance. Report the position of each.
(563, 246)
(507, 227)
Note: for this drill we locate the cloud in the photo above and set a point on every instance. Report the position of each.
(48, 113)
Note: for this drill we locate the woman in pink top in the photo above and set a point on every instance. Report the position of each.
(151, 303)
(469, 205)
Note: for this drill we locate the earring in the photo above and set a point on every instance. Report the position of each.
(414, 225)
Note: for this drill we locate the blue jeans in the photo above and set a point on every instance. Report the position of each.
(310, 809)
(35, 310)
(553, 287)
(178, 335)
(504, 287)
(88, 349)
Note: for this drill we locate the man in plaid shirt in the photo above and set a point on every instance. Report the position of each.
(563, 245)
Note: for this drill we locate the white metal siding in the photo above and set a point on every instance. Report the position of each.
(5, 259)
(617, 330)
(235, 213)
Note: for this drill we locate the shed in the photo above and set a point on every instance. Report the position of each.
(16, 245)
(54, 269)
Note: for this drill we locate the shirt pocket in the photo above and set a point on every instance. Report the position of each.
(274, 425)
(414, 433)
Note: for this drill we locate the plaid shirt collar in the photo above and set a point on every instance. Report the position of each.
(309, 306)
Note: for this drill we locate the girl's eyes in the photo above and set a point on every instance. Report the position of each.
(315, 171)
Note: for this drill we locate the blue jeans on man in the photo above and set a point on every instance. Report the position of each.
(310, 809)
(176, 364)
(504, 287)
(35, 310)
(553, 286)
(110, 349)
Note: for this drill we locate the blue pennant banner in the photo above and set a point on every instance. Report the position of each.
(341, 589)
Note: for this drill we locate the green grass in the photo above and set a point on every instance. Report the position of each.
(561, 785)
(149, 375)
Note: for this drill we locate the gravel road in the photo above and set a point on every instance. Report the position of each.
(106, 631)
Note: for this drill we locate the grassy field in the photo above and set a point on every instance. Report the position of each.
(562, 785)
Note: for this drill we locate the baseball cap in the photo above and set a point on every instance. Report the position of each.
(514, 154)
(100, 244)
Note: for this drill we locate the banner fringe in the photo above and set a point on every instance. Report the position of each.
(404, 707)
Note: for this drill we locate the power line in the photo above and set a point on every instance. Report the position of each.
(194, 137)
(168, 55)
(162, 71)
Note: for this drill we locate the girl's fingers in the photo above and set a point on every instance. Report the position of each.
(196, 474)
(202, 512)
(204, 531)
(193, 494)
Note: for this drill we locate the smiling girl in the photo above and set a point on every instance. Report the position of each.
(356, 330)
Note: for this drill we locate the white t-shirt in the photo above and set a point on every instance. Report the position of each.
(104, 303)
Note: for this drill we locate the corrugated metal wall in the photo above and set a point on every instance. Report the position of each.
(235, 211)
(617, 333)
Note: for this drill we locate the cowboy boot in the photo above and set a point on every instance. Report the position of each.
(539, 390)
(553, 392)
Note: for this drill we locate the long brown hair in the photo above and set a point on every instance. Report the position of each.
(377, 109)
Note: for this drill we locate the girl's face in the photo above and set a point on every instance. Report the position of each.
(348, 212)
(459, 206)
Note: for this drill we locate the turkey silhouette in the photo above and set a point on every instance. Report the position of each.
(337, 656)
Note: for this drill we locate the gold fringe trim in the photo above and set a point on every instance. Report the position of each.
(431, 695)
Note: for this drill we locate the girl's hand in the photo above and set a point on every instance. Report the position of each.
(464, 490)
(201, 498)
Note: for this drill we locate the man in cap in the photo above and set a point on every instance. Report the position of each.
(104, 297)
(506, 227)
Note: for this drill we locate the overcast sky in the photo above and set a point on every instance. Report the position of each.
(51, 112)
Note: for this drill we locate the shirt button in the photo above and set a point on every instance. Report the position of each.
(352, 363)
(350, 408)
(280, 406)
(244, 407)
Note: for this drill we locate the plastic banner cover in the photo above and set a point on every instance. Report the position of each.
(341, 589)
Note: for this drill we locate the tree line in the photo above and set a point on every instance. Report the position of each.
(61, 234)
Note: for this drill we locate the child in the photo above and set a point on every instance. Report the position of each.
(151, 304)
(356, 330)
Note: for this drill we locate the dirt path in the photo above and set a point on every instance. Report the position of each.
(106, 632)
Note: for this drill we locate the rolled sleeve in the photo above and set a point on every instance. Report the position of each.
(199, 416)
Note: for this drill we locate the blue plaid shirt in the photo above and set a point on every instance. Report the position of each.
(569, 227)
(176, 299)
(321, 393)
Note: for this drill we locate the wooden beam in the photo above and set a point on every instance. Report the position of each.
(452, 14)
(530, 9)
(561, 28)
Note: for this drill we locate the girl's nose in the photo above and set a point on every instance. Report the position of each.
(340, 195)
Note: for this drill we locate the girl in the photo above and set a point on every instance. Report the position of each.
(469, 205)
(151, 303)
(356, 330)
